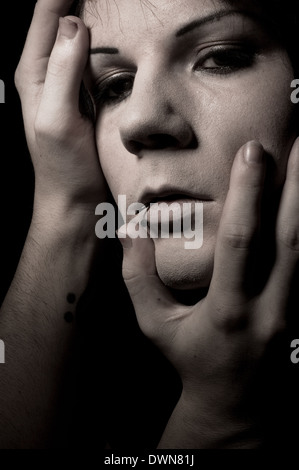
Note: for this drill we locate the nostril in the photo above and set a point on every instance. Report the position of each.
(154, 142)
(159, 142)
(162, 141)
(133, 146)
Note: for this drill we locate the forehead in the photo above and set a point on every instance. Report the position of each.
(120, 20)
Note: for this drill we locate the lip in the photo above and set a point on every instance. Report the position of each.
(159, 218)
(171, 211)
(171, 194)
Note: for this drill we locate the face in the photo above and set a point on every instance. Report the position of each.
(179, 87)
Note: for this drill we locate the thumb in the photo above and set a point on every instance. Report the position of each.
(154, 305)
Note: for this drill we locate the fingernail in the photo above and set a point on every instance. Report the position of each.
(67, 28)
(123, 237)
(253, 152)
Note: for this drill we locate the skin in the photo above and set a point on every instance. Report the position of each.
(219, 112)
(241, 322)
(239, 315)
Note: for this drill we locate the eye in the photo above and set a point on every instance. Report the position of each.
(113, 89)
(224, 60)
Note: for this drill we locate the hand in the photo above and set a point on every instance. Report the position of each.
(60, 139)
(218, 346)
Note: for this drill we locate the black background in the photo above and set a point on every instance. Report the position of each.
(16, 169)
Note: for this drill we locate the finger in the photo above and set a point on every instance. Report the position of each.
(32, 68)
(40, 38)
(153, 303)
(60, 97)
(238, 226)
(287, 236)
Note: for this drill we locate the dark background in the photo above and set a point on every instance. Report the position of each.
(15, 165)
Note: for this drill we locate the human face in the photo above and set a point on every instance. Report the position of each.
(178, 91)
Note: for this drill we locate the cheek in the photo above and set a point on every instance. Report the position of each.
(111, 155)
(260, 109)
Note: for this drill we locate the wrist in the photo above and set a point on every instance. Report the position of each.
(64, 217)
(64, 236)
(196, 423)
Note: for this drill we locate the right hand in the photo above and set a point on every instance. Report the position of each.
(60, 139)
(229, 348)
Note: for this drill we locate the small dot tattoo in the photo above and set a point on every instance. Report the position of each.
(69, 317)
(71, 298)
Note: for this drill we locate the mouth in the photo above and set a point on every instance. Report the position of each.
(169, 196)
(171, 211)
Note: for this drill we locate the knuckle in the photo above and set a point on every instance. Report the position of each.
(47, 129)
(230, 318)
(25, 79)
(43, 128)
(19, 78)
(238, 235)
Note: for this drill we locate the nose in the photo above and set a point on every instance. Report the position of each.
(153, 117)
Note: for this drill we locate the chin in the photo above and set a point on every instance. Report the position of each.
(183, 269)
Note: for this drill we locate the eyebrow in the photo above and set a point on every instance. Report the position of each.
(104, 50)
(184, 29)
(208, 19)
